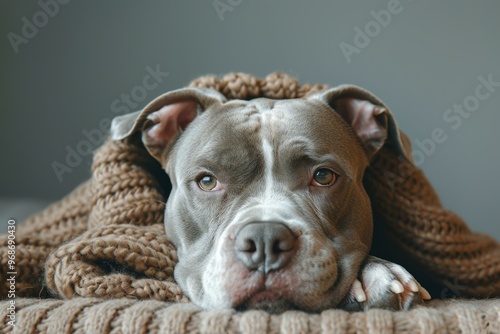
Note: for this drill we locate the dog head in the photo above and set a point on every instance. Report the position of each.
(267, 208)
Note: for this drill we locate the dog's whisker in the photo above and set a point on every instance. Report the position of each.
(161, 202)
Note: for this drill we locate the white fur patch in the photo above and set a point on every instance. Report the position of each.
(268, 152)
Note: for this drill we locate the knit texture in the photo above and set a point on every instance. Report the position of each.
(105, 240)
(92, 315)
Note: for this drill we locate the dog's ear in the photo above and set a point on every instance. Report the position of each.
(164, 119)
(368, 116)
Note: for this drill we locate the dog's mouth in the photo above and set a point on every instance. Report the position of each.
(272, 293)
(277, 296)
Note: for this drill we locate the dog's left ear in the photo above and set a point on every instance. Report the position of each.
(164, 119)
(368, 116)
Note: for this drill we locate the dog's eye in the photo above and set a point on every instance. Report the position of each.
(324, 177)
(207, 182)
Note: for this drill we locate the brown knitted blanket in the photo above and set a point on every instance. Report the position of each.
(92, 315)
(106, 241)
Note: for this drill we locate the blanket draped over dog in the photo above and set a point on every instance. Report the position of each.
(106, 241)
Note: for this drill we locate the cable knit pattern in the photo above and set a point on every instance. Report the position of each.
(91, 315)
(244, 86)
(105, 241)
(436, 238)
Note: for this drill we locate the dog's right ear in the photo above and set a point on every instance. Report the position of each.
(368, 116)
(163, 120)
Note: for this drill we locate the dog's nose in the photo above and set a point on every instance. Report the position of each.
(264, 246)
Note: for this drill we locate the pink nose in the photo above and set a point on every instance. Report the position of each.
(264, 245)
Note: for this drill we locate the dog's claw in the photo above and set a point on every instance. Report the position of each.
(425, 294)
(396, 287)
(358, 292)
(414, 287)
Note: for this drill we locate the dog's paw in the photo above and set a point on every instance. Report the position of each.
(383, 284)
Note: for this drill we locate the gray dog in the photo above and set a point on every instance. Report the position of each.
(267, 208)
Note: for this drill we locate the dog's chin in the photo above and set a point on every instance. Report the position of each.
(270, 306)
(267, 300)
(278, 299)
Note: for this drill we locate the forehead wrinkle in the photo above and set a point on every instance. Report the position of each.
(300, 144)
(240, 160)
(302, 153)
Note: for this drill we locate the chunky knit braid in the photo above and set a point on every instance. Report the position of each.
(40, 235)
(116, 261)
(106, 238)
(126, 186)
(244, 86)
(437, 239)
(92, 315)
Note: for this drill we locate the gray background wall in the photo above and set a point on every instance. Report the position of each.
(64, 78)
